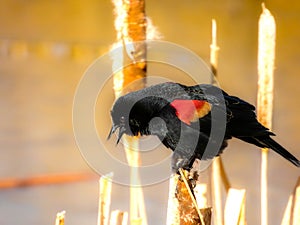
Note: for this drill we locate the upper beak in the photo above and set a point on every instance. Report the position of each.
(113, 130)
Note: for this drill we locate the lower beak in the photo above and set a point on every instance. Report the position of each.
(120, 134)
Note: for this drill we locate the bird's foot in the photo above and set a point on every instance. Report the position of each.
(180, 162)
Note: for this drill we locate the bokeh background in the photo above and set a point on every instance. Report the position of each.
(45, 48)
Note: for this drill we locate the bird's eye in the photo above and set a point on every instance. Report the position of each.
(122, 120)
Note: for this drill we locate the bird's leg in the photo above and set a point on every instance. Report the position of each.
(181, 161)
(178, 163)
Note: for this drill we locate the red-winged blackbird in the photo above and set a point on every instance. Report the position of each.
(194, 121)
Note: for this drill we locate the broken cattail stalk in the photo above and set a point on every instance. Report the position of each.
(296, 205)
(292, 212)
(192, 197)
(130, 24)
(235, 207)
(182, 206)
(60, 218)
(266, 57)
(286, 220)
(105, 186)
(224, 176)
(118, 218)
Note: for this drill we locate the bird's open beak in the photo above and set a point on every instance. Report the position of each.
(113, 129)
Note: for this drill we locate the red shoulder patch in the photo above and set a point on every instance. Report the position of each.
(190, 110)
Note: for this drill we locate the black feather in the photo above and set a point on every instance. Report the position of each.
(268, 142)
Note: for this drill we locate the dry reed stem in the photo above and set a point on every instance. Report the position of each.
(264, 187)
(292, 212)
(217, 171)
(266, 57)
(173, 217)
(224, 176)
(217, 191)
(214, 50)
(296, 205)
(105, 186)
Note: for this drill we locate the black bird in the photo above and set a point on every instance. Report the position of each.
(194, 121)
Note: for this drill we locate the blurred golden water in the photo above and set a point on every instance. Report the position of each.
(45, 48)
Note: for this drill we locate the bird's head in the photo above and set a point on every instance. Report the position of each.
(120, 118)
(131, 114)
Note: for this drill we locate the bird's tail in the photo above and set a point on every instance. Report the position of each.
(270, 143)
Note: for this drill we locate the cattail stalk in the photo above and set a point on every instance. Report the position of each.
(266, 57)
(130, 24)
